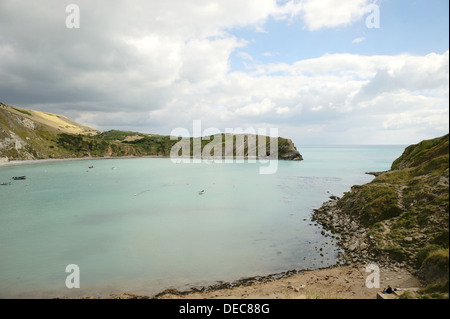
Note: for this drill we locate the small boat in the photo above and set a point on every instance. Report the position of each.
(19, 178)
(201, 192)
(5, 184)
(91, 167)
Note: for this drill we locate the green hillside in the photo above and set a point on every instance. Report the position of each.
(401, 217)
(29, 135)
(407, 209)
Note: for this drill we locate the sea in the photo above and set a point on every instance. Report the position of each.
(142, 225)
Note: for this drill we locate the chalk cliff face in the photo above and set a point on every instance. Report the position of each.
(29, 135)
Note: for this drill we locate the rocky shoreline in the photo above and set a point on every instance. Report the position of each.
(357, 246)
(245, 282)
(337, 282)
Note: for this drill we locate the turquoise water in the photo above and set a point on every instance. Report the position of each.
(143, 227)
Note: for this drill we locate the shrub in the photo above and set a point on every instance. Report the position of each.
(425, 252)
(439, 258)
(441, 239)
(396, 253)
(23, 111)
(441, 287)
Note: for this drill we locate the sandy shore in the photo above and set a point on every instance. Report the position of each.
(43, 161)
(345, 282)
(54, 160)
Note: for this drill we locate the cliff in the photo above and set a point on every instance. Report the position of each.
(402, 216)
(29, 135)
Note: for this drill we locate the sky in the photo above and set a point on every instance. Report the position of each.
(322, 72)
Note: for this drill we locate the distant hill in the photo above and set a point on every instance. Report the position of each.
(29, 135)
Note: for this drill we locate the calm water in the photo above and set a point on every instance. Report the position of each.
(143, 227)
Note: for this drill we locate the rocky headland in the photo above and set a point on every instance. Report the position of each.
(400, 219)
(30, 135)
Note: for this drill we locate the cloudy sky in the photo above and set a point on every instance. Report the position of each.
(321, 71)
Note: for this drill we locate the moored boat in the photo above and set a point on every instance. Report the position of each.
(19, 178)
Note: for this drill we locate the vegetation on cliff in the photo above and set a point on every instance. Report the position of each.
(401, 218)
(27, 135)
(406, 210)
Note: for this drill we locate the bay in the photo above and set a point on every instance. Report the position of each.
(141, 225)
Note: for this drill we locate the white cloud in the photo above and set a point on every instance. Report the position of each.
(304, 95)
(270, 54)
(359, 40)
(158, 65)
(245, 56)
(410, 73)
(317, 108)
(418, 118)
(319, 14)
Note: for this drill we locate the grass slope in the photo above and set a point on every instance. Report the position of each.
(407, 209)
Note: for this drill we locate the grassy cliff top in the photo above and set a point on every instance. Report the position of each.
(423, 152)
